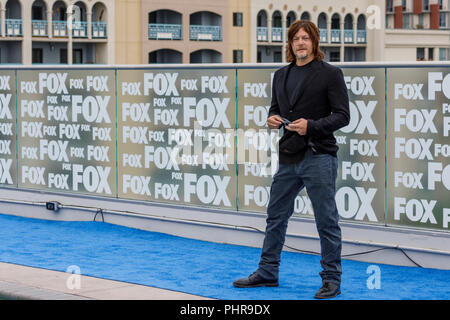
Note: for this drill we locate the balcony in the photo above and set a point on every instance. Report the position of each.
(335, 36)
(158, 31)
(13, 27)
(99, 29)
(39, 28)
(59, 28)
(361, 36)
(262, 34)
(277, 34)
(79, 29)
(349, 36)
(205, 33)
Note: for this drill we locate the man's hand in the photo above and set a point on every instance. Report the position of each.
(274, 122)
(299, 126)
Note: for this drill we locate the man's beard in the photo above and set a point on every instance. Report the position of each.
(302, 56)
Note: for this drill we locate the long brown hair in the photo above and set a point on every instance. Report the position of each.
(314, 34)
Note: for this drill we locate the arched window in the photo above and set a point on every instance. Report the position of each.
(290, 18)
(322, 21)
(206, 56)
(305, 16)
(165, 56)
(361, 25)
(348, 29)
(261, 20)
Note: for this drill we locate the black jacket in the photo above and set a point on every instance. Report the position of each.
(321, 98)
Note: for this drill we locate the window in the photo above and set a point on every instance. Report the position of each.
(63, 56)
(403, 5)
(77, 56)
(420, 54)
(420, 24)
(389, 5)
(277, 56)
(237, 19)
(425, 5)
(36, 13)
(430, 54)
(37, 56)
(335, 56)
(442, 19)
(442, 54)
(406, 21)
(237, 56)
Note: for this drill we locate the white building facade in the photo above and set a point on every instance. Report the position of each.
(349, 30)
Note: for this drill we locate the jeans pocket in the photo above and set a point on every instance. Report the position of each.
(324, 168)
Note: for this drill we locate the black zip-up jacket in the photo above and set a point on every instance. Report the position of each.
(321, 98)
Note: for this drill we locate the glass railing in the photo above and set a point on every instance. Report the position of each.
(13, 27)
(79, 29)
(159, 31)
(361, 36)
(262, 34)
(277, 34)
(323, 35)
(59, 28)
(211, 33)
(335, 36)
(99, 29)
(39, 28)
(349, 36)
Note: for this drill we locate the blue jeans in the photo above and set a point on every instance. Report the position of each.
(316, 172)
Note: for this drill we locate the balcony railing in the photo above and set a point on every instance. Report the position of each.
(262, 34)
(59, 28)
(323, 35)
(277, 34)
(349, 36)
(361, 36)
(158, 31)
(79, 29)
(335, 36)
(13, 27)
(39, 28)
(99, 29)
(209, 33)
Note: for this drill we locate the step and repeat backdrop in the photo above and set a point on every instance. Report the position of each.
(66, 131)
(418, 147)
(176, 139)
(198, 137)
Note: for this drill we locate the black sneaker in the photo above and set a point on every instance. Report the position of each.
(328, 290)
(255, 280)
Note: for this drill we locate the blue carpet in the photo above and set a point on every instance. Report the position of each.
(113, 252)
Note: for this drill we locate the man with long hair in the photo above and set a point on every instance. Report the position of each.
(310, 101)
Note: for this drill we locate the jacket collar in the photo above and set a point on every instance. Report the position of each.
(301, 87)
